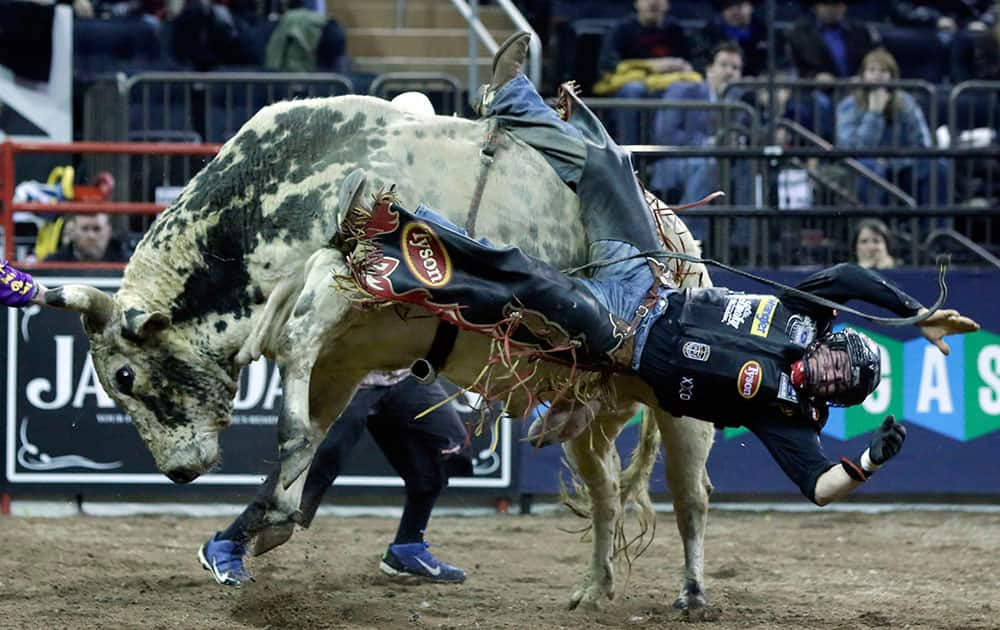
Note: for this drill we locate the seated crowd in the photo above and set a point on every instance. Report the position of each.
(838, 67)
(206, 35)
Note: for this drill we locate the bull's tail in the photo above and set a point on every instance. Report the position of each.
(634, 488)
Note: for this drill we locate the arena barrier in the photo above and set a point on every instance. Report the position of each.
(8, 182)
(63, 435)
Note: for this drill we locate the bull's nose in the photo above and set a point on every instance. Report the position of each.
(182, 475)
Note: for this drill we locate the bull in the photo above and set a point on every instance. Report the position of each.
(240, 266)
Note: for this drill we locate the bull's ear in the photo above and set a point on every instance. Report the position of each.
(140, 325)
(95, 305)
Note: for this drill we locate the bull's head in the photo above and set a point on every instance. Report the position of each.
(177, 390)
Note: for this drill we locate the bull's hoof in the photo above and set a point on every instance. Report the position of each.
(693, 602)
(701, 614)
(272, 536)
(589, 597)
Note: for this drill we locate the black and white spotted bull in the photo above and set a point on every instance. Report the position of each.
(241, 266)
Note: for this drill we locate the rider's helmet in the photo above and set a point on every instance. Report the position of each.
(842, 368)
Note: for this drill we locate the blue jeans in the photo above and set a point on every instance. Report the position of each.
(527, 116)
(621, 286)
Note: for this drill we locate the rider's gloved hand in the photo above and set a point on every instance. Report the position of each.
(886, 443)
(17, 288)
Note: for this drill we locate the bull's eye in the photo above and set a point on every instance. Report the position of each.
(124, 378)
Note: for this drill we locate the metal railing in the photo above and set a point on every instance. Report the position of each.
(8, 179)
(437, 86)
(479, 33)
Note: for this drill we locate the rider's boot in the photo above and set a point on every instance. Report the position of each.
(508, 62)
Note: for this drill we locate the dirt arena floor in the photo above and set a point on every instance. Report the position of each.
(826, 570)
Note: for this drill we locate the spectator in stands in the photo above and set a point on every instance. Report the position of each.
(827, 45)
(809, 107)
(872, 245)
(636, 55)
(90, 239)
(975, 52)
(305, 41)
(206, 37)
(874, 117)
(735, 21)
(944, 15)
(690, 179)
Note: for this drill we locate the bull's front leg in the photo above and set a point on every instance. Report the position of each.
(687, 443)
(316, 314)
(595, 458)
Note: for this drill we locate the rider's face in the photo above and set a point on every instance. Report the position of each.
(828, 372)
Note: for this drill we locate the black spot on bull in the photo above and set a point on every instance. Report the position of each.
(172, 380)
(220, 284)
(294, 218)
(305, 303)
(55, 297)
(301, 142)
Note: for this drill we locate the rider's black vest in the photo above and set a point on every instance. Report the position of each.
(725, 357)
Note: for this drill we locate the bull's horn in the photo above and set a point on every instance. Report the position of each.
(141, 324)
(95, 305)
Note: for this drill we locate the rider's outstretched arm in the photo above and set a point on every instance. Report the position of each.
(18, 288)
(795, 446)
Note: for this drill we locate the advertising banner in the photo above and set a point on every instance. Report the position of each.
(62, 431)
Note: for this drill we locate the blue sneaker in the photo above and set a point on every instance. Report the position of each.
(224, 558)
(413, 560)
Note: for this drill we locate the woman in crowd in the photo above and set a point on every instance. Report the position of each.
(876, 117)
(872, 245)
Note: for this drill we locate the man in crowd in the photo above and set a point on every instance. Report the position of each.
(687, 179)
(735, 21)
(90, 239)
(654, 39)
(827, 45)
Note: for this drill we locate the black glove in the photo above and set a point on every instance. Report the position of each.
(887, 441)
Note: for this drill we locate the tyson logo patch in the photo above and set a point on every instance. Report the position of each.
(425, 255)
(749, 379)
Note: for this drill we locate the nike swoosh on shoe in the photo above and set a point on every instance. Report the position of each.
(435, 571)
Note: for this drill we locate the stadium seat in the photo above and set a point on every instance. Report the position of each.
(919, 52)
(571, 10)
(578, 48)
(115, 45)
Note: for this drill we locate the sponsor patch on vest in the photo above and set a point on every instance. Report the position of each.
(764, 316)
(738, 309)
(696, 351)
(686, 390)
(749, 379)
(425, 255)
(801, 330)
(786, 391)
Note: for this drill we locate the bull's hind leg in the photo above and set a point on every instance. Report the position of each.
(687, 443)
(596, 461)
